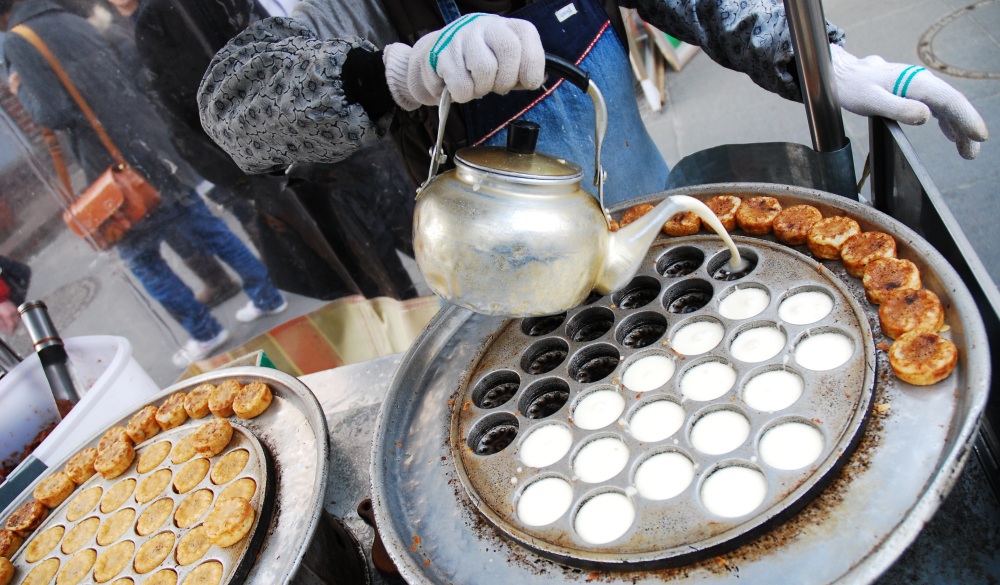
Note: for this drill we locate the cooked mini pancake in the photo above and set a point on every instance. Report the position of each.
(252, 400)
(229, 466)
(152, 456)
(756, 215)
(212, 437)
(80, 535)
(113, 560)
(633, 213)
(115, 526)
(43, 544)
(910, 310)
(77, 567)
(83, 503)
(54, 489)
(43, 573)
(828, 235)
(183, 450)
(27, 518)
(685, 223)
(884, 275)
(191, 474)
(193, 508)
(221, 400)
(10, 541)
(154, 516)
(209, 573)
(241, 488)
(80, 467)
(112, 436)
(152, 486)
(115, 460)
(152, 552)
(171, 413)
(117, 494)
(613, 225)
(192, 546)
(164, 577)
(861, 249)
(196, 401)
(792, 225)
(143, 424)
(922, 358)
(724, 207)
(6, 571)
(229, 521)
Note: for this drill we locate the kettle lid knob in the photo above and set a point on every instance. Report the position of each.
(522, 136)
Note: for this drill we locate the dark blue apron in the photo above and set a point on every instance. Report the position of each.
(580, 32)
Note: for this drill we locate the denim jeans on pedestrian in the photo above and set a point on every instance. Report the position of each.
(140, 250)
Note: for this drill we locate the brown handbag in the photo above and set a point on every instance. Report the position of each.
(120, 197)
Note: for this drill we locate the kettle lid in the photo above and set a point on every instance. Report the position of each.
(519, 159)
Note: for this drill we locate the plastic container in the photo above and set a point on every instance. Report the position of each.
(112, 383)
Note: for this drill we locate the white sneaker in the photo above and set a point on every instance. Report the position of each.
(195, 350)
(250, 312)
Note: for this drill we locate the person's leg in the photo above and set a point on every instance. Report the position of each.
(219, 286)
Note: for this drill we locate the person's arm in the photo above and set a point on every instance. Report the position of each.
(40, 91)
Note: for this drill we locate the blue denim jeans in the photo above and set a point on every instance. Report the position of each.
(140, 250)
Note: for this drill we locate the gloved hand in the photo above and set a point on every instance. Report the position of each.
(473, 56)
(907, 94)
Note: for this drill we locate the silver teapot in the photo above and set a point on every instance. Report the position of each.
(510, 232)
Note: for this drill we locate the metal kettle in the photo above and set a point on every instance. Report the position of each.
(510, 232)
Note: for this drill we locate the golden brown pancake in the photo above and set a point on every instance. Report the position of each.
(143, 424)
(861, 249)
(152, 456)
(756, 215)
(884, 275)
(113, 560)
(196, 401)
(77, 567)
(792, 225)
(192, 546)
(171, 413)
(26, 518)
(83, 503)
(117, 494)
(152, 552)
(154, 516)
(922, 358)
(191, 474)
(115, 460)
(54, 489)
(80, 534)
(910, 310)
(115, 526)
(80, 467)
(725, 207)
(212, 437)
(252, 400)
(152, 486)
(685, 223)
(229, 466)
(193, 508)
(827, 236)
(43, 544)
(229, 521)
(221, 400)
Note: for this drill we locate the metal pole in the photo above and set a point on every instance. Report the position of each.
(812, 59)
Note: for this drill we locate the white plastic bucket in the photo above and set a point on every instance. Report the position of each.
(114, 382)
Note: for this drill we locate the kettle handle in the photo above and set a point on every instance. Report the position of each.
(562, 68)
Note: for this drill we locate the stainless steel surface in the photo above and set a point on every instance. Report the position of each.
(293, 431)
(907, 461)
(236, 560)
(815, 69)
(35, 316)
(679, 529)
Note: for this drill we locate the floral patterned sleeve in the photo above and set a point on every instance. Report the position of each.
(751, 36)
(276, 95)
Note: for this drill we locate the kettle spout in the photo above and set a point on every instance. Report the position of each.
(628, 246)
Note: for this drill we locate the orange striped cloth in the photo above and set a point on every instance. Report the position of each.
(345, 331)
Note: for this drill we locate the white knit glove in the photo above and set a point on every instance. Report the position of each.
(473, 56)
(907, 94)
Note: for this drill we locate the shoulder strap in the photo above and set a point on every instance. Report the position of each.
(42, 48)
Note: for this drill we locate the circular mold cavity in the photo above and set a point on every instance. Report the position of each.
(698, 337)
(544, 445)
(791, 445)
(544, 398)
(744, 302)
(824, 350)
(638, 293)
(594, 362)
(805, 306)
(538, 326)
(680, 261)
(604, 518)
(493, 433)
(757, 343)
(707, 380)
(720, 431)
(656, 420)
(544, 501)
(773, 390)
(733, 491)
(496, 389)
(597, 409)
(641, 330)
(720, 269)
(688, 296)
(648, 373)
(663, 476)
(590, 324)
(600, 460)
(544, 356)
